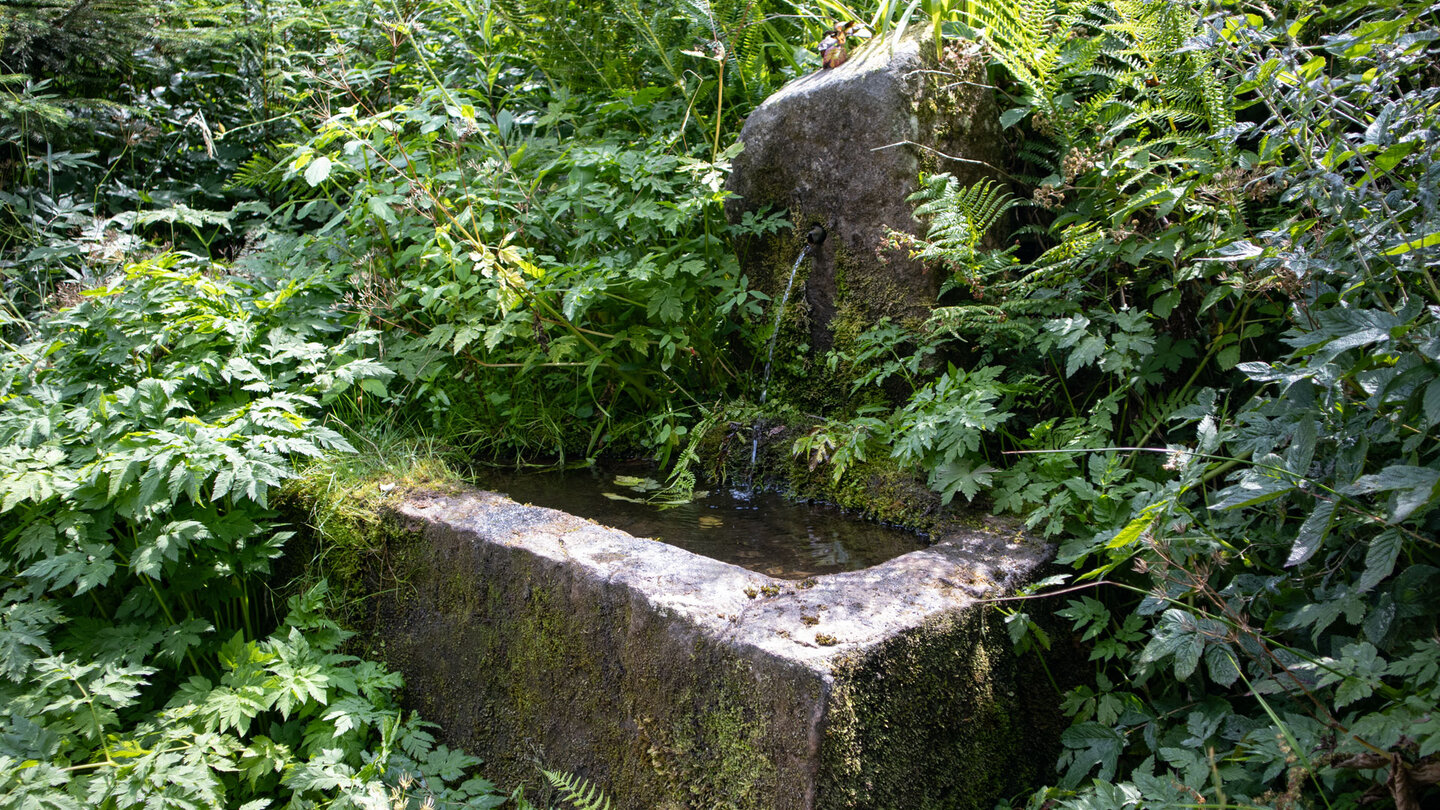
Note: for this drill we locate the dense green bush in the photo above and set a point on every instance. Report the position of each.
(560, 262)
(1234, 314)
(143, 432)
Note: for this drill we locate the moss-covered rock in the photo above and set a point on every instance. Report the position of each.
(843, 148)
(535, 638)
(877, 489)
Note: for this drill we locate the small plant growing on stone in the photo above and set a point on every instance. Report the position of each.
(578, 793)
(826, 640)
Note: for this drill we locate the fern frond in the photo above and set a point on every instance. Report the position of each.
(580, 793)
(259, 172)
(960, 217)
(1075, 243)
(989, 322)
(1159, 407)
(1039, 154)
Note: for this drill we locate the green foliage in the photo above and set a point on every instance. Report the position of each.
(1267, 632)
(1214, 378)
(581, 794)
(144, 431)
(959, 220)
(572, 266)
(1209, 366)
(69, 36)
(121, 124)
(943, 425)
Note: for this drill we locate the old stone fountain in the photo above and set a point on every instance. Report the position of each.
(539, 639)
(843, 148)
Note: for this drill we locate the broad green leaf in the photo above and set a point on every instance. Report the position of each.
(1428, 240)
(318, 171)
(381, 209)
(1414, 487)
(1312, 533)
(1432, 403)
(1092, 744)
(1380, 558)
(1136, 528)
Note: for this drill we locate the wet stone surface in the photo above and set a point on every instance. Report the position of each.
(843, 148)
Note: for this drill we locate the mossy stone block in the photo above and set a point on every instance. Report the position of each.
(538, 639)
(843, 148)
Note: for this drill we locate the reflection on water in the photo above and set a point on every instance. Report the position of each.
(760, 531)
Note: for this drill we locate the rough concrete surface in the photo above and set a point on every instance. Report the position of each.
(536, 638)
(843, 148)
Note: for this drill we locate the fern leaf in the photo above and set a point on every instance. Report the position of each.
(579, 793)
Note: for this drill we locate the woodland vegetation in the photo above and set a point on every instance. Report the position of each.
(239, 240)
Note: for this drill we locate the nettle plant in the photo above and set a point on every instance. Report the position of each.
(1266, 635)
(143, 432)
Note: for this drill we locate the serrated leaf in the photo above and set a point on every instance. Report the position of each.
(1432, 403)
(1228, 357)
(1380, 558)
(318, 171)
(1092, 745)
(1135, 528)
(1428, 240)
(1220, 661)
(1264, 482)
(379, 207)
(1414, 487)
(959, 476)
(1087, 352)
(1312, 533)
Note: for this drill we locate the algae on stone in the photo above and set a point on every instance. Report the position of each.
(537, 638)
(843, 149)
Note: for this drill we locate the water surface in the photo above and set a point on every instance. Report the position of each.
(761, 531)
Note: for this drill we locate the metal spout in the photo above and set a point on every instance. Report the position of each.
(815, 236)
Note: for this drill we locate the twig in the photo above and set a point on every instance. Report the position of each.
(1046, 594)
(943, 155)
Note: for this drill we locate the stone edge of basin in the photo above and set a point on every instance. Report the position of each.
(814, 622)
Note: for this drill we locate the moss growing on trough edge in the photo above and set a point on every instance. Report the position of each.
(525, 663)
(960, 720)
(528, 661)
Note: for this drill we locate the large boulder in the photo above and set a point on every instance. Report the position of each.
(842, 148)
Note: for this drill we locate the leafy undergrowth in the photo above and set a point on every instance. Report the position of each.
(144, 433)
(1215, 378)
(1210, 364)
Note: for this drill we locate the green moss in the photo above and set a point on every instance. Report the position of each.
(716, 758)
(523, 663)
(980, 748)
(336, 502)
(876, 489)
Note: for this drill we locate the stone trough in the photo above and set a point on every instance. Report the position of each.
(539, 639)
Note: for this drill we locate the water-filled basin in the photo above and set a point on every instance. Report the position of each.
(761, 531)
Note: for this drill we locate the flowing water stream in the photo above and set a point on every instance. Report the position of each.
(770, 356)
